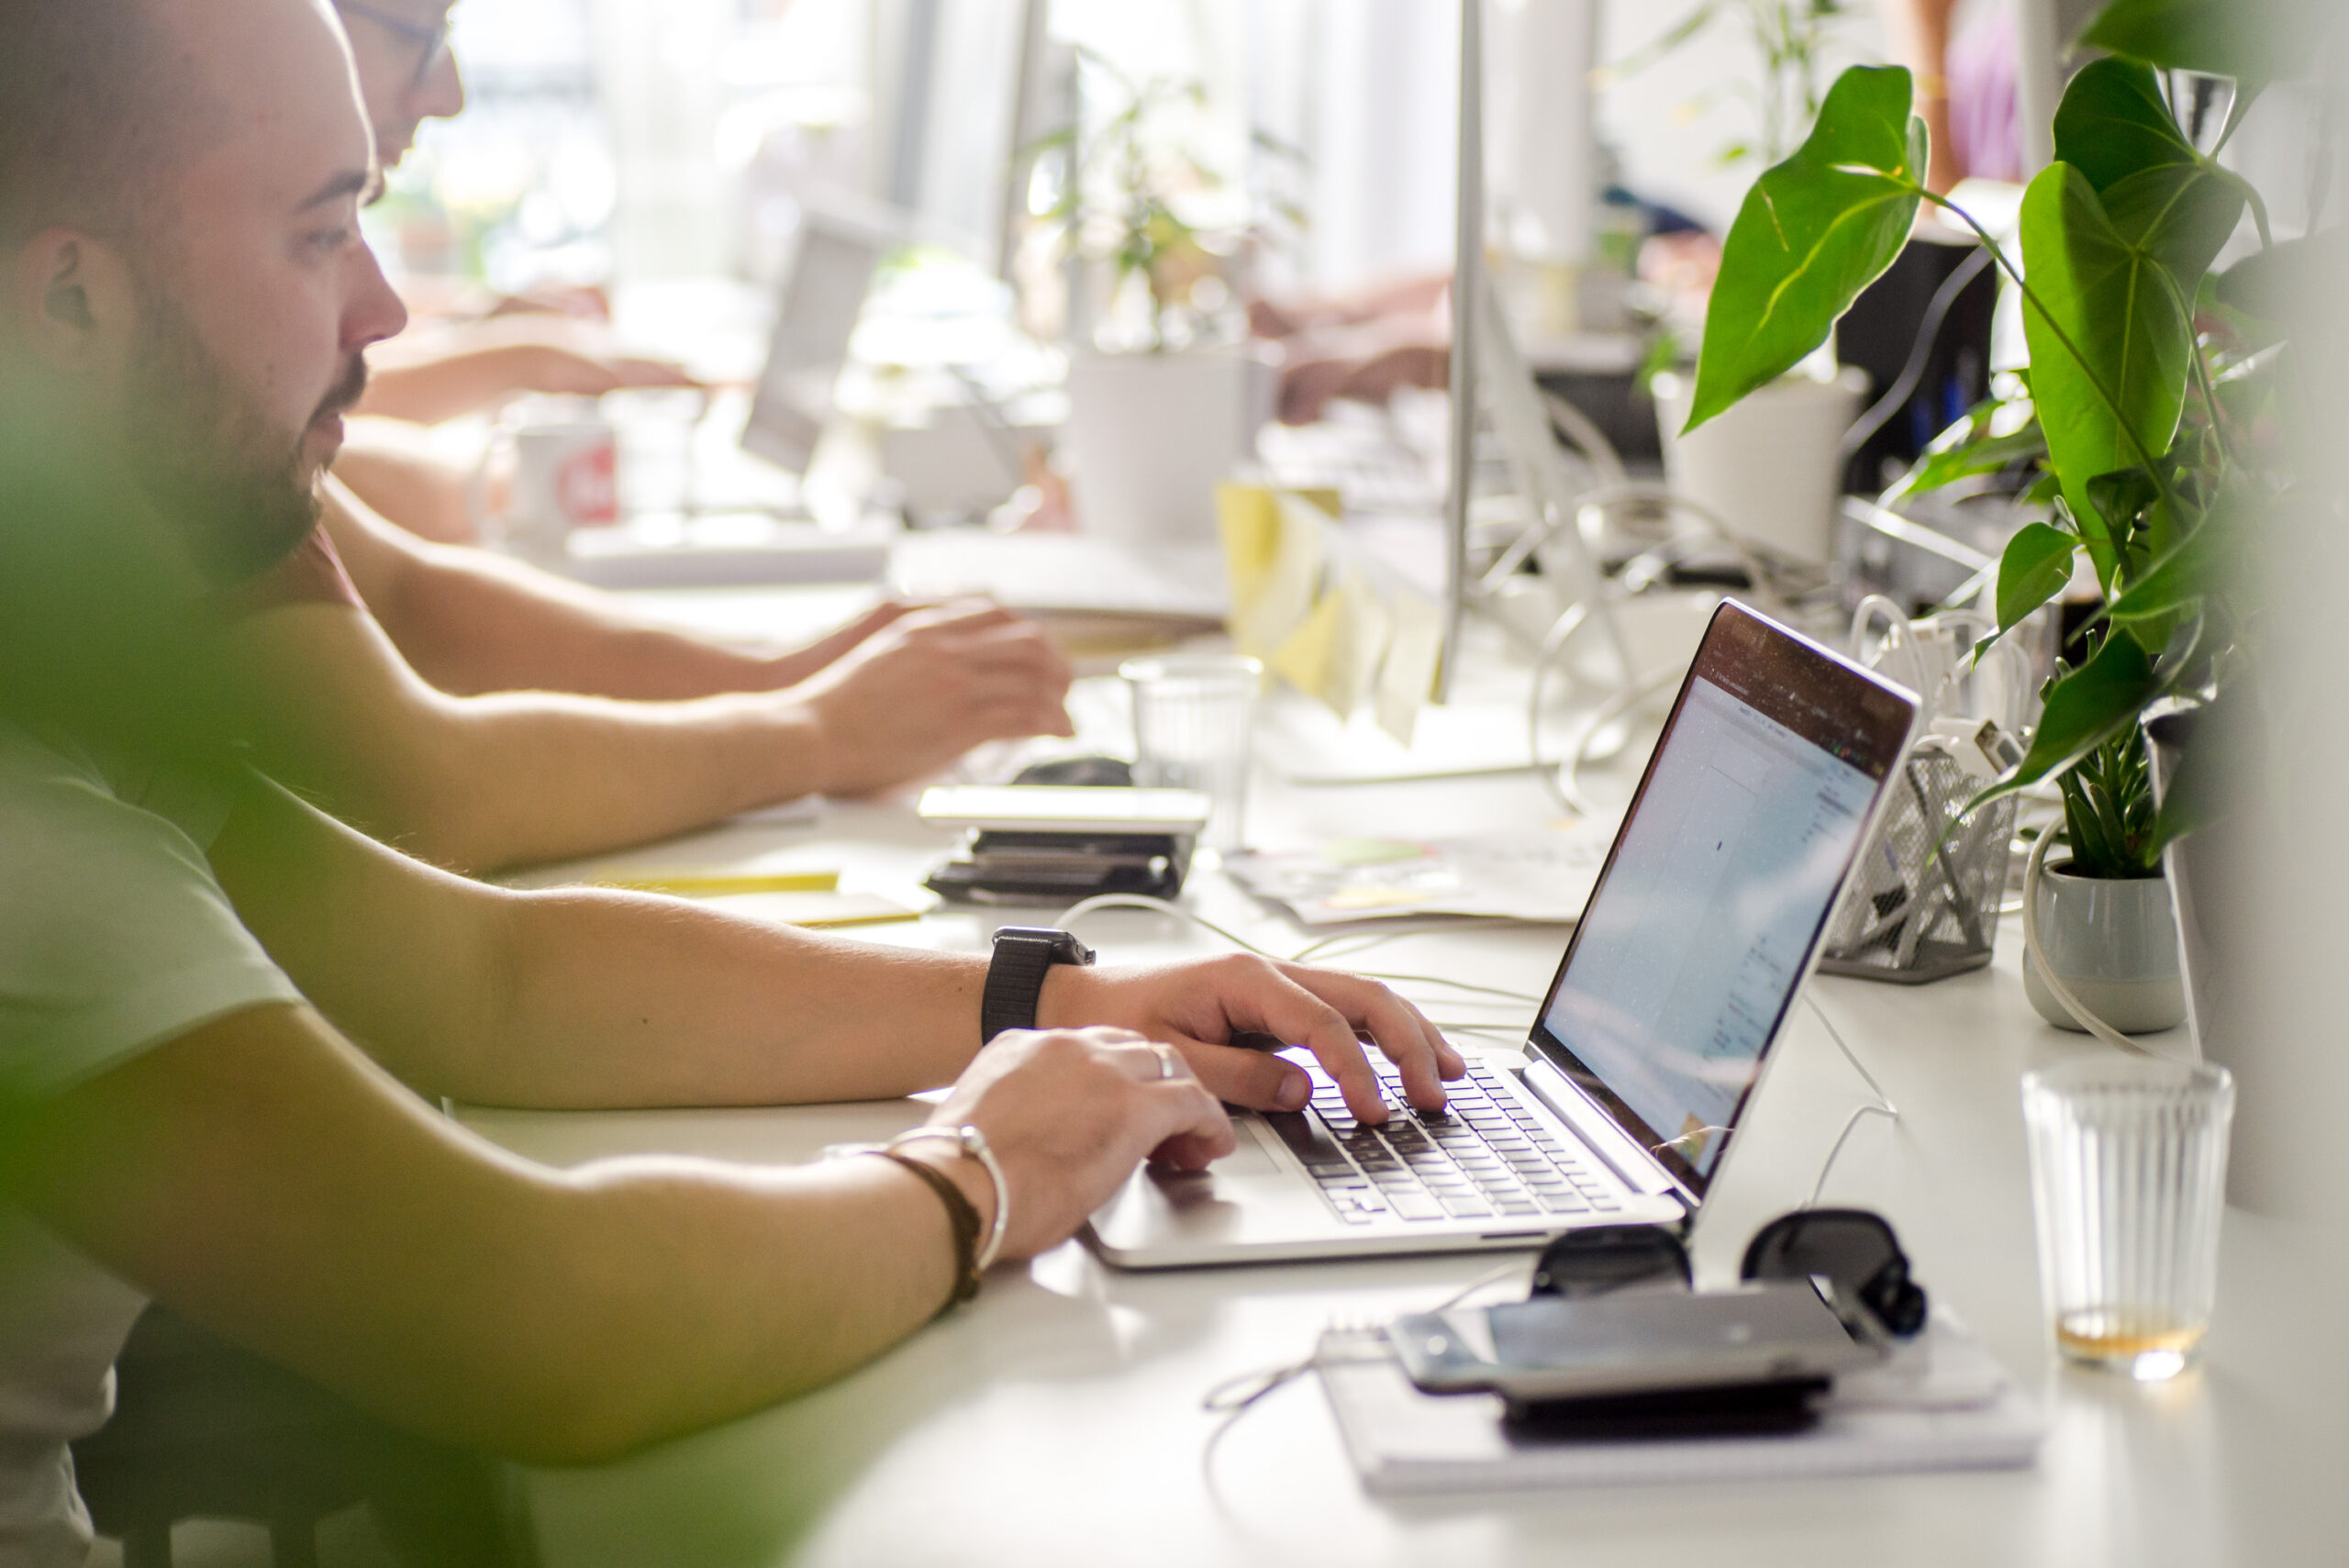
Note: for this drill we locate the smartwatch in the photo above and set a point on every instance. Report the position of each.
(1016, 977)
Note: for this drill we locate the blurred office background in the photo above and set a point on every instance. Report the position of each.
(624, 141)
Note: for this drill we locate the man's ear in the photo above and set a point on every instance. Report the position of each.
(71, 301)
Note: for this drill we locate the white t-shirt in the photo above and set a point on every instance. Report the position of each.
(113, 939)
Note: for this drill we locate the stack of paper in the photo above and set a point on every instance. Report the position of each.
(1545, 875)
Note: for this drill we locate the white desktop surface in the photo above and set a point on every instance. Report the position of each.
(1057, 1419)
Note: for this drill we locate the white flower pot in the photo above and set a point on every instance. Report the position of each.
(1767, 465)
(1153, 434)
(2114, 942)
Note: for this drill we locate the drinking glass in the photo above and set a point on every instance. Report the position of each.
(2127, 1178)
(657, 428)
(1192, 720)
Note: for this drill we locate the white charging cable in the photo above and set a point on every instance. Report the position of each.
(1883, 1106)
(1077, 911)
(2055, 983)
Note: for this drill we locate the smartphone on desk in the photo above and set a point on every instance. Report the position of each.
(1636, 1341)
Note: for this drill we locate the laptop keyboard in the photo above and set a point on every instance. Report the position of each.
(1484, 1156)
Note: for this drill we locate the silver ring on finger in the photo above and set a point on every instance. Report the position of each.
(1167, 1065)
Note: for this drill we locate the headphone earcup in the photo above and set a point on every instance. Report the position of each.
(1898, 1301)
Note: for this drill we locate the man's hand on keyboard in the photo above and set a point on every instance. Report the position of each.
(1202, 1006)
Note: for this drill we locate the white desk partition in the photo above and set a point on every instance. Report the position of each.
(1057, 1420)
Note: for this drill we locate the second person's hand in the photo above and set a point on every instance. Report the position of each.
(928, 687)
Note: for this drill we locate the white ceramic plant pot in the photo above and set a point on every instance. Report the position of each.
(2114, 941)
(1153, 434)
(1767, 465)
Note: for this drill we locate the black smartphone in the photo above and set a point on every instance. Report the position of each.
(1635, 1342)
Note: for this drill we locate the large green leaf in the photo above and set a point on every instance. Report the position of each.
(2163, 197)
(2110, 343)
(2114, 122)
(1812, 233)
(2036, 565)
(2176, 580)
(2177, 216)
(2085, 709)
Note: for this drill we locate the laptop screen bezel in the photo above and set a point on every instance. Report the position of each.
(1885, 744)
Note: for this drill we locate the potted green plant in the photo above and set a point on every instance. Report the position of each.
(1770, 467)
(1166, 397)
(2138, 421)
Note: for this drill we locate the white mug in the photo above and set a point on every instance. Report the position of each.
(566, 476)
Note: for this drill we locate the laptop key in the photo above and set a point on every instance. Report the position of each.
(1467, 1208)
(1417, 1206)
(1563, 1203)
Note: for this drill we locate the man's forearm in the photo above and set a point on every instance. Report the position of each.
(469, 621)
(511, 779)
(338, 1227)
(776, 1016)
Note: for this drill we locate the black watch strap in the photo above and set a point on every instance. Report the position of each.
(1016, 977)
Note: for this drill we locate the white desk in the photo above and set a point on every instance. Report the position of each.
(1057, 1420)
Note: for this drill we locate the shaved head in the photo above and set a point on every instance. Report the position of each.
(100, 106)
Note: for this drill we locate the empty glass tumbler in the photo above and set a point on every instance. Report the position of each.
(1193, 716)
(2128, 1177)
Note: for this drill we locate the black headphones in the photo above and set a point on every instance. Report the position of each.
(1853, 1248)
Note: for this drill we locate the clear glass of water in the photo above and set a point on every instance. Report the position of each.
(2128, 1179)
(1193, 717)
(657, 426)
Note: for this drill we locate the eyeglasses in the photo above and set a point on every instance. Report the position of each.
(431, 42)
(1854, 1249)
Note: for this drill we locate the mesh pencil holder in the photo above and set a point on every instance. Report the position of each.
(1923, 900)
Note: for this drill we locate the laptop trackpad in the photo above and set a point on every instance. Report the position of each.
(1250, 1158)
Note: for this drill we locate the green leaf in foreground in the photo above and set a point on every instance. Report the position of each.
(2180, 577)
(1944, 465)
(1812, 233)
(2085, 709)
(2117, 400)
(2114, 122)
(2036, 565)
(2163, 197)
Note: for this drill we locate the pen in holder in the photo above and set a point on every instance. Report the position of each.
(1924, 895)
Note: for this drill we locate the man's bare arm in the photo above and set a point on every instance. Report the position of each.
(580, 998)
(468, 620)
(516, 777)
(259, 1175)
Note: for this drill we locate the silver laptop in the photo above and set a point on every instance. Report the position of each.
(817, 306)
(1648, 1048)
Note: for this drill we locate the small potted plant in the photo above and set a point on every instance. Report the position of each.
(1771, 466)
(2139, 420)
(1166, 397)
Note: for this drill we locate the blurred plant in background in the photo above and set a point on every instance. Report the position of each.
(1793, 38)
(1132, 195)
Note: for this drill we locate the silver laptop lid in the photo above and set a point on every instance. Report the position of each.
(1716, 893)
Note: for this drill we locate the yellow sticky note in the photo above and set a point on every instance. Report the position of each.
(1413, 649)
(1335, 654)
(1249, 521)
(1291, 581)
(1306, 656)
(1364, 633)
(721, 885)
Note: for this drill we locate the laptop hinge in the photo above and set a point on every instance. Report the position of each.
(1640, 1170)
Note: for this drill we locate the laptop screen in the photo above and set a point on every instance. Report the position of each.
(1716, 891)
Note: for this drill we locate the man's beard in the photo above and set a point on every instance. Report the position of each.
(207, 455)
